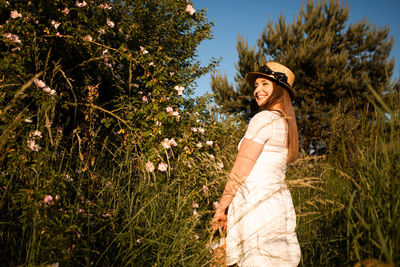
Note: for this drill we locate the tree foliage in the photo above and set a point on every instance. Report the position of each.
(333, 61)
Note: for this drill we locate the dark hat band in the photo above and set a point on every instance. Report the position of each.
(279, 76)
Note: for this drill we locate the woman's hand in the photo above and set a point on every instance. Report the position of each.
(219, 219)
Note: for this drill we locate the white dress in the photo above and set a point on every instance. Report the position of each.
(261, 217)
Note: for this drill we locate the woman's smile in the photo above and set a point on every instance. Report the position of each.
(262, 90)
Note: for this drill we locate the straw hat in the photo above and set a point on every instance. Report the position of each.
(275, 72)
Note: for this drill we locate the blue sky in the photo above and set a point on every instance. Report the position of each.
(249, 17)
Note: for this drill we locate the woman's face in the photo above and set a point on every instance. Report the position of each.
(262, 90)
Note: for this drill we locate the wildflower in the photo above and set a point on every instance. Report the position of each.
(211, 156)
(49, 90)
(58, 34)
(189, 9)
(102, 31)
(209, 143)
(162, 167)
(151, 64)
(205, 189)
(138, 241)
(149, 166)
(172, 142)
(14, 38)
(179, 89)
(215, 205)
(54, 264)
(175, 113)
(158, 123)
(88, 38)
(14, 14)
(195, 214)
(65, 11)
(201, 130)
(144, 51)
(195, 205)
(32, 145)
(196, 236)
(83, 4)
(28, 120)
(55, 24)
(187, 149)
(144, 99)
(39, 83)
(48, 199)
(199, 145)
(135, 85)
(166, 143)
(169, 109)
(220, 165)
(193, 129)
(36, 133)
(171, 73)
(68, 178)
(105, 6)
(110, 23)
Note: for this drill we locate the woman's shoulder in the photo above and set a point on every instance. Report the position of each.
(267, 115)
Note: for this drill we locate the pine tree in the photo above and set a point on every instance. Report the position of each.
(333, 61)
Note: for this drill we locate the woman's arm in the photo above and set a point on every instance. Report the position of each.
(244, 163)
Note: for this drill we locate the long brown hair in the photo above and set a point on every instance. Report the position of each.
(281, 96)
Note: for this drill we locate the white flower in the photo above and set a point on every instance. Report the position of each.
(158, 123)
(215, 205)
(80, 4)
(166, 143)
(88, 38)
(196, 236)
(171, 73)
(199, 145)
(201, 130)
(39, 83)
(28, 120)
(14, 14)
(211, 156)
(169, 109)
(53, 92)
(55, 24)
(149, 166)
(12, 37)
(179, 89)
(36, 133)
(193, 129)
(105, 6)
(144, 51)
(151, 64)
(195, 205)
(138, 240)
(162, 167)
(209, 143)
(68, 178)
(175, 113)
(172, 142)
(32, 145)
(189, 9)
(48, 90)
(110, 23)
(195, 214)
(220, 165)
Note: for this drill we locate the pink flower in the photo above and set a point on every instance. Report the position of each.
(102, 31)
(149, 166)
(209, 143)
(172, 142)
(144, 51)
(144, 99)
(205, 189)
(195, 214)
(135, 85)
(88, 38)
(48, 90)
(138, 241)
(175, 113)
(189, 9)
(105, 6)
(83, 4)
(151, 64)
(55, 24)
(110, 23)
(36, 133)
(199, 145)
(166, 143)
(12, 37)
(201, 130)
(58, 34)
(220, 165)
(65, 11)
(196, 236)
(162, 167)
(193, 129)
(195, 205)
(169, 109)
(179, 89)
(39, 83)
(31, 144)
(14, 14)
(48, 199)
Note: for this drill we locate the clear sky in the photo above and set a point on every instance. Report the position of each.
(249, 17)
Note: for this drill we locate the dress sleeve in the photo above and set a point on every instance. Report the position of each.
(261, 127)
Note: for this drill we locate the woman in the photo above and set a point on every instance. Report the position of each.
(261, 219)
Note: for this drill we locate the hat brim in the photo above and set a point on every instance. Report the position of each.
(252, 76)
